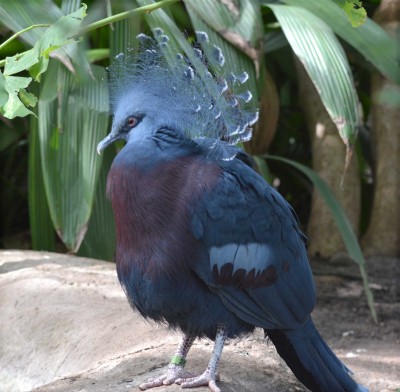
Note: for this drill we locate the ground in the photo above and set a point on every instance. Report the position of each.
(66, 326)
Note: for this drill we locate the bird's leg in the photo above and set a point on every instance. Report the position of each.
(209, 376)
(175, 368)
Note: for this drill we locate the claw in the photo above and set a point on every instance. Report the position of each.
(173, 373)
(205, 379)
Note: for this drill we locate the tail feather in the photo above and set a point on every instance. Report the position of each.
(312, 361)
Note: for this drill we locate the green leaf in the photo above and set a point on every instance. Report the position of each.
(57, 35)
(324, 59)
(342, 222)
(370, 39)
(124, 32)
(19, 14)
(94, 55)
(354, 11)
(36, 61)
(3, 91)
(73, 117)
(41, 226)
(99, 242)
(14, 65)
(15, 83)
(14, 106)
(28, 99)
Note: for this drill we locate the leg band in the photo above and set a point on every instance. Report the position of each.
(178, 360)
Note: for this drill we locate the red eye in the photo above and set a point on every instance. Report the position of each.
(131, 122)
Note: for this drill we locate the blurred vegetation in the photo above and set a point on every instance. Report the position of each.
(53, 182)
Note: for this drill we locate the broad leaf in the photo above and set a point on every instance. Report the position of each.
(14, 65)
(41, 226)
(324, 59)
(99, 242)
(369, 39)
(19, 14)
(13, 107)
(72, 119)
(3, 91)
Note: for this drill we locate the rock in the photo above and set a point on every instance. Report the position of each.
(67, 326)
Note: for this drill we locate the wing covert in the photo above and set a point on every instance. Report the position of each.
(256, 252)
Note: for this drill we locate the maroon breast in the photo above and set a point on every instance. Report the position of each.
(152, 212)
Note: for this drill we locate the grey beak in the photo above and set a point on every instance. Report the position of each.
(109, 139)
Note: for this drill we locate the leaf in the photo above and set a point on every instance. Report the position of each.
(370, 39)
(36, 61)
(73, 117)
(99, 242)
(95, 55)
(342, 222)
(28, 99)
(14, 65)
(274, 40)
(19, 14)
(124, 32)
(354, 11)
(41, 226)
(324, 59)
(14, 106)
(3, 91)
(56, 36)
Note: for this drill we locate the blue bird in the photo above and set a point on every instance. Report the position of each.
(204, 244)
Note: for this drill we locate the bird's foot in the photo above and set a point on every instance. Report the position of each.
(208, 378)
(173, 373)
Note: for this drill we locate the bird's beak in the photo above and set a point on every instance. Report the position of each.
(110, 138)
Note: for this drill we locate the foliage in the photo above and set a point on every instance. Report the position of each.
(354, 11)
(35, 61)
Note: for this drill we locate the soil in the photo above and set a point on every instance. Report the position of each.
(66, 326)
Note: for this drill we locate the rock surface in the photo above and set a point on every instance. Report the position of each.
(66, 326)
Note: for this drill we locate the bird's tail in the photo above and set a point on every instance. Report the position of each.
(312, 361)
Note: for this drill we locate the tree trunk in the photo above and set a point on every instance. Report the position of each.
(328, 155)
(383, 234)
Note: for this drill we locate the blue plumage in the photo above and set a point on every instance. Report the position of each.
(204, 244)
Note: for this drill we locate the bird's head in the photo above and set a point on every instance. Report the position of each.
(157, 88)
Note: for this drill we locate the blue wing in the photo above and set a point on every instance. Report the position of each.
(257, 260)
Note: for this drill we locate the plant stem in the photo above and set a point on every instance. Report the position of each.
(5, 43)
(123, 15)
(95, 25)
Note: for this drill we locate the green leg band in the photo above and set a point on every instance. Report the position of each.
(178, 360)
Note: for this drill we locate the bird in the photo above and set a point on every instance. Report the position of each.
(204, 244)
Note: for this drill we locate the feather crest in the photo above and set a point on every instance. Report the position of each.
(212, 105)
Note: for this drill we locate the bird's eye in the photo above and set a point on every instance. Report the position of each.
(131, 122)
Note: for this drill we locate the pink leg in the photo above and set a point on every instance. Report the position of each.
(209, 376)
(175, 368)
